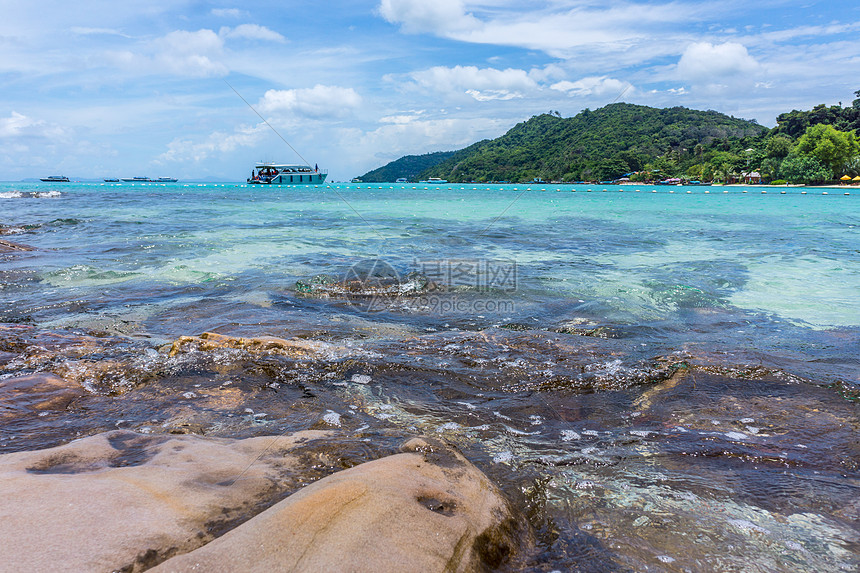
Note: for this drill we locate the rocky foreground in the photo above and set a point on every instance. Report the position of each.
(123, 501)
(230, 453)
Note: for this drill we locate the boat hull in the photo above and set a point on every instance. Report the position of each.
(292, 179)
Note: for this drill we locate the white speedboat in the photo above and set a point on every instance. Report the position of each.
(55, 179)
(434, 180)
(165, 180)
(284, 174)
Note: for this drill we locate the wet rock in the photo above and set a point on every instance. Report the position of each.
(122, 501)
(427, 509)
(208, 341)
(9, 246)
(38, 392)
(375, 279)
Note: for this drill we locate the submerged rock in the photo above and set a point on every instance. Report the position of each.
(424, 510)
(260, 345)
(38, 392)
(9, 246)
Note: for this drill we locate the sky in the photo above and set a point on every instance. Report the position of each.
(97, 88)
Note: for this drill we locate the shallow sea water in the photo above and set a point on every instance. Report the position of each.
(660, 378)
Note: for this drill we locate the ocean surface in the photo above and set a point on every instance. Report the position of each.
(660, 378)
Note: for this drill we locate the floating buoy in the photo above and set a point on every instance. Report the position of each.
(825, 193)
(782, 192)
(803, 192)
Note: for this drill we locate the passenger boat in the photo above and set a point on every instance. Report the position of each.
(165, 180)
(55, 179)
(285, 174)
(111, 180)
(136, 179)
(434, 180)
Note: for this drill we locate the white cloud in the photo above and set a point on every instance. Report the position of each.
(399, 119)
(83, 31)
(594, 85)
(482, 84)
(563, 29)
(228, 13)
(435, 16)
(252, 32)
(194, 54)
(317, 102)
(18, 125)
(14, 125)
(217, 143)
(708, 63)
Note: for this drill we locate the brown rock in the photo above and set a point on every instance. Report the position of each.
(259, 345)
(7, 246)
(425, 510)
(36, 392)
(126, 501)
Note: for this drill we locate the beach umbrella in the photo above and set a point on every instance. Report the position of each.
(846, 178)
(856, 178)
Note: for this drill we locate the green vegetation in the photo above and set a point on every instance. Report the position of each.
(649, 144)
(599, 145)
(408, 167)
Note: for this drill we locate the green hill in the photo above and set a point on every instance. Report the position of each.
(600, 144)
(409, 167)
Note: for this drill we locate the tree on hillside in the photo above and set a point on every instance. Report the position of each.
(778, 146)
(830, 146)
(769, 168)
(804, 169)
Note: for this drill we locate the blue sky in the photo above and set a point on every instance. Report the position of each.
(96, 88)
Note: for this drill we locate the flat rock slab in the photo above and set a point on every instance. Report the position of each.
(126, 501)
(123, 501)
(424, 510)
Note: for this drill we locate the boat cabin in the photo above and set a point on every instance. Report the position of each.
(286, 174)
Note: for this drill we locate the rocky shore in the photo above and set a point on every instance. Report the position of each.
(123, 501)
(501, 449)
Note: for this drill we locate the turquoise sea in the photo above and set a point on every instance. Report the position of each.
(661, 378)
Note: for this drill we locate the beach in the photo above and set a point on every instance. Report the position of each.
(642, 378)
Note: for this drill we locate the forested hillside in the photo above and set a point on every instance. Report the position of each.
(595, 145)
(651, 144)
(409, 167)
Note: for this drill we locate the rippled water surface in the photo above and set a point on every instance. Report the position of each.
(661, 379)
